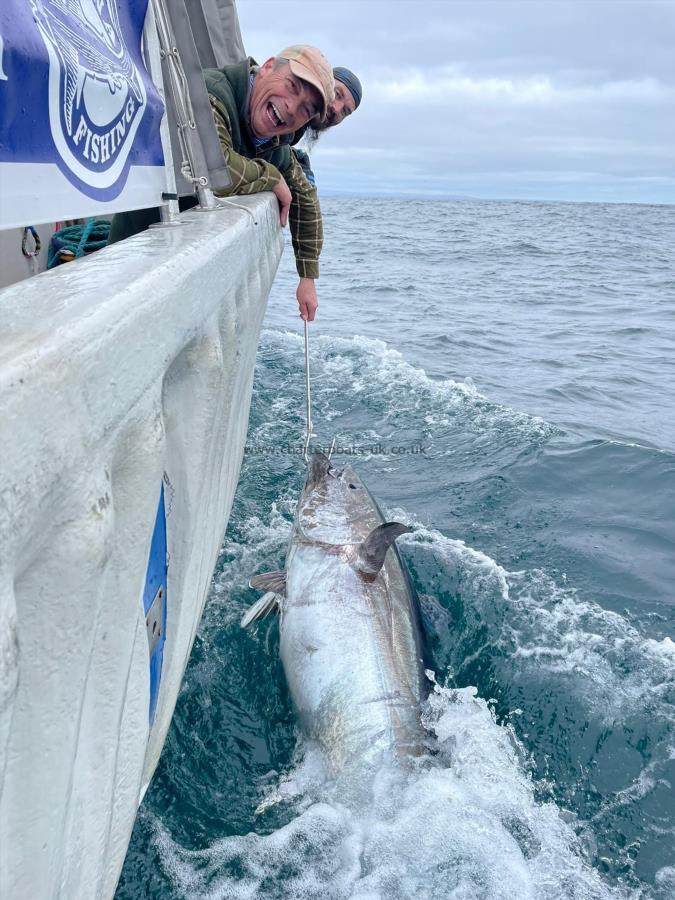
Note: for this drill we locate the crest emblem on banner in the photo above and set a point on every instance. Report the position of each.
(97, 97)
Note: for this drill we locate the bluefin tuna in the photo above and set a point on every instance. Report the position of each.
(350, 638)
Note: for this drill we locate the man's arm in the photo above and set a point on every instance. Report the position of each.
(305, 220)
(305, 164)
(307, 234)
(249, 176)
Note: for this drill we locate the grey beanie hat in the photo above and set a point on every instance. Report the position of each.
(350, 81)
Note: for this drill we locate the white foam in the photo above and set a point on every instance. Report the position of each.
(262, 540)
(600, 655)
(464, 823)
(365, 366)
(665, 883)
(664, 649)
(461, 824)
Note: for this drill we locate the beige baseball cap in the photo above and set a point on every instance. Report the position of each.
(311, 65)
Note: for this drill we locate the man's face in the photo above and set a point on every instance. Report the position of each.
(280, 101)
(343, 105)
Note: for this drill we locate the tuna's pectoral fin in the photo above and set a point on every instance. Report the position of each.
(373, 550)
(267, 604)
(270, 581)
(275, 585)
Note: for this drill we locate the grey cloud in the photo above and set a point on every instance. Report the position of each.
(549, 99)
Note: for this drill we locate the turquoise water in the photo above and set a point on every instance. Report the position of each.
(503, 377)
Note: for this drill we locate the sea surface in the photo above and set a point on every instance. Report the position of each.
(502, 374)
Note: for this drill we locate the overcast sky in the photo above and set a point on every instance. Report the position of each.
(540, 99)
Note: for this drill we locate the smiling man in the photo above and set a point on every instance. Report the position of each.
(348, 94)
(253, 108)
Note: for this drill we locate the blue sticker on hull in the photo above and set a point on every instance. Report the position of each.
(154, 602)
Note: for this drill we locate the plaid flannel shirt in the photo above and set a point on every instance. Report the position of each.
(253, 175)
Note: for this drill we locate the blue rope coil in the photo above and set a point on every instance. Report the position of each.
(75, 241)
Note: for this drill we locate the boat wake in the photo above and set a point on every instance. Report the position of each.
(469, 819)
(463, 822)
(551, 720)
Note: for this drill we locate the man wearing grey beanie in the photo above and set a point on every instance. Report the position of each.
(348, 95)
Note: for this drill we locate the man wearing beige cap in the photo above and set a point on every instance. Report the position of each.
(252, 107)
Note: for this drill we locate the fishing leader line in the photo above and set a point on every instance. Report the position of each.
(309, 427)
(308, 398)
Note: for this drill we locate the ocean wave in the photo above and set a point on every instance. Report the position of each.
(478, 786)
(463, 823)
(613, 666)
(240, 558)
(552, 630)
(368, 373)
(594, 698)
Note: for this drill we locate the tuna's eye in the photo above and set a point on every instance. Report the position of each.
(354, 487)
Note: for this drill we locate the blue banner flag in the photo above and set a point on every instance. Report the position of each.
(79, 114)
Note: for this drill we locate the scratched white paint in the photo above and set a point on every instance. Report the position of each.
(114, 370)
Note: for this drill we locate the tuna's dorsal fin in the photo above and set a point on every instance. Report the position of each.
(267, 604)
(373, 550)
(270, 581)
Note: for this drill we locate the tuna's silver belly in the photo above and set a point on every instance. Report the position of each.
(351, 658)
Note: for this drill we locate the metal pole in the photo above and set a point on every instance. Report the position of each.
(308, 394)
(168, 210)
(192, 163)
